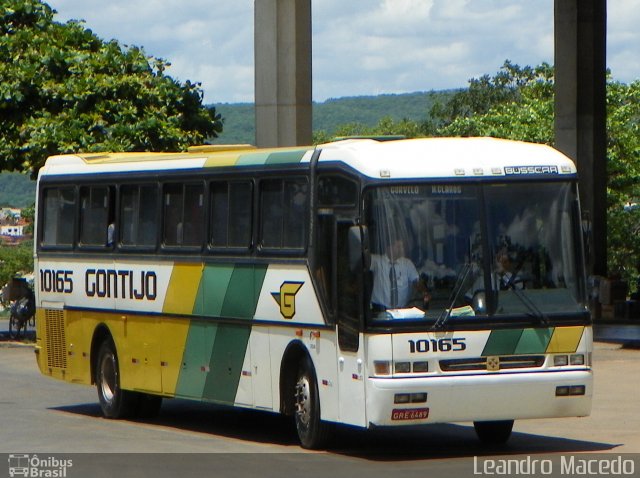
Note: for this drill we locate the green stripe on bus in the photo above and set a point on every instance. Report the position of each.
(229, 290)
(267, 157)
(225, 366)
(196, 359)
(286, 157)
(534, 341)
(213, 288)
(243, 292)
(502, 342)
(517, 342)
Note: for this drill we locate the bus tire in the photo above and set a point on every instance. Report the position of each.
(114, 402)
(494, 433)
(312, 431)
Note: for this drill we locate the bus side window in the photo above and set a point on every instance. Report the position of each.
(59, 216)
(183, 214)
(96, 215)
(138, 218)
(337, 191)
(284, 213)
(231, 208)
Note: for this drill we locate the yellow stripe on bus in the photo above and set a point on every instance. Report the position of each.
(565, 339)
(173, 337)
(183, 289)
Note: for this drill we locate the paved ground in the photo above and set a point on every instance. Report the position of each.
(52, 418)
(46, 417)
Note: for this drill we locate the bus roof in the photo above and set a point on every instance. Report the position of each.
(396, 159)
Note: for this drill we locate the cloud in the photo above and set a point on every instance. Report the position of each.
(359, 46)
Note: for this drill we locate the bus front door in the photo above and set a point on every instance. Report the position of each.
(351, 360)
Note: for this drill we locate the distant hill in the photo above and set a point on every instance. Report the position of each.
(16, 190)
(239, 118)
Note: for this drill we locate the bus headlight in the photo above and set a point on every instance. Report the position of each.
(560, 360)
(576, 359)
(403, 367)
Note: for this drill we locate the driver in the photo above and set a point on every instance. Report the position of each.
(395, 278)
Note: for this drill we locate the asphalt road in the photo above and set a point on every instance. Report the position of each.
(56, 420)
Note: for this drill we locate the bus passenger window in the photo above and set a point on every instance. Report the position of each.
(193, 215)
(231, 206)
(183, 214)
(95, 216)
(138, 218)
(284, 213)
(59, 216)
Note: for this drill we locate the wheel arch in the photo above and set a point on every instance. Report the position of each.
(295, 352)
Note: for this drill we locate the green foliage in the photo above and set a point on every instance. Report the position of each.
(16, 190)
(14, 260)
(517, 103)
(386, 126)
(623, 173)
(64, 90)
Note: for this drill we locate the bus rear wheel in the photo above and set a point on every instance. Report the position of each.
(114, 402)
(494, 433)
(312, 432)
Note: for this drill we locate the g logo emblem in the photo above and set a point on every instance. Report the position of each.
(286, 298)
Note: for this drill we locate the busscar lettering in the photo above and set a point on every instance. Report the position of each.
(121, 284)
(523, 170)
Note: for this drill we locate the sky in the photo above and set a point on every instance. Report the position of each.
(360, 47)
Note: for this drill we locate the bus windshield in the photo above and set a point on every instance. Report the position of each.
(458, 252)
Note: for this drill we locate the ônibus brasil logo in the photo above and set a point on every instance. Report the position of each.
(34, 466)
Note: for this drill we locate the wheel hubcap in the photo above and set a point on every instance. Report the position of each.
(303, 403)
(108, 377)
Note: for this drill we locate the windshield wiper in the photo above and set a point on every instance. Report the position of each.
(455, 293)
(533, 308)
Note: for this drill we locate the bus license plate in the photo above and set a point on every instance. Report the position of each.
(409, 413)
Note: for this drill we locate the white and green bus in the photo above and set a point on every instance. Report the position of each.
(362, 282)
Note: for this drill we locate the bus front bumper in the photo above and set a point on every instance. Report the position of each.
(501, 396)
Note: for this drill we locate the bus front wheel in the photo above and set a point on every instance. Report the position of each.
(494, 433)
(312, 432)
(114, 402)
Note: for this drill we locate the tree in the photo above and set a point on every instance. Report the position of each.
(64, 90)
(623, 177)
(386, 127)
(517, 103)
(15, 259)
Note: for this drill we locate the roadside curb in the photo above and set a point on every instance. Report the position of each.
(11, 344)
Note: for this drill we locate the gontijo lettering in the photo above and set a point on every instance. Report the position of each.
(123, 284)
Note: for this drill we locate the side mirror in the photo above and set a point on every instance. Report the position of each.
(359, 253)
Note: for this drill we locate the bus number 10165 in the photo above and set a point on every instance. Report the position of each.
(437, 345)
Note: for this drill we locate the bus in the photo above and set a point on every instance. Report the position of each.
(362, 282)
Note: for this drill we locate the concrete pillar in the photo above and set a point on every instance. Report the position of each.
(580, 109)
(283, 72)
